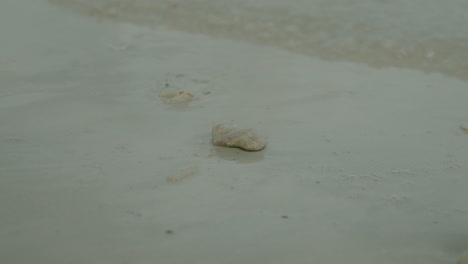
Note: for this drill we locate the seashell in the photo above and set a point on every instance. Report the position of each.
(177, 97)
(229, 136)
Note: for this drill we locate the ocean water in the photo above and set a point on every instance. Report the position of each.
(427, 35)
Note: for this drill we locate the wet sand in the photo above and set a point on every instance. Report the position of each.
(363, 164)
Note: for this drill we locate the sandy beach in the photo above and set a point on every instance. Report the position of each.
(366, 161)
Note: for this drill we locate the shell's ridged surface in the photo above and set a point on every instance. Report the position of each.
(230, 136)
(219, 131)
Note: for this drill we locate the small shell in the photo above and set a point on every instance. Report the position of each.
(177, 97)
(230, 136)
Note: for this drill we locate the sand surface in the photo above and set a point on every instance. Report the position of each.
(364, 164)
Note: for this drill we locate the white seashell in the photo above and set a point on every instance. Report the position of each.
(229, 136)
(181, 174)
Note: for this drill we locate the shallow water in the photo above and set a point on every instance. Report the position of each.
(426, 35)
